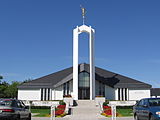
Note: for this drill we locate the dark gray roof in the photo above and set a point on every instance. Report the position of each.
(155, 92)
(47, 81)
(118, 81)
(109, 78)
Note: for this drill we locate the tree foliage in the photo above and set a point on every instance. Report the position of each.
(12, 90)
(8, 90)
(1, 77)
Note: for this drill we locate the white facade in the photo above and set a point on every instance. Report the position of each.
(58, 93)
(110, 93)
(29, 94)
(137, 94)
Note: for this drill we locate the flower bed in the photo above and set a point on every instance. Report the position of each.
(60, 109)
(107, 110)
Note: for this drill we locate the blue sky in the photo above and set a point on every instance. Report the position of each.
(36, 37)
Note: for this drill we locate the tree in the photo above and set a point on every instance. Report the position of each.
(27, 80)
(12, 90)
(1, 77)
(3, 87)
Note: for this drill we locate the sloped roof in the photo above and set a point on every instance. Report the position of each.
(109, 78)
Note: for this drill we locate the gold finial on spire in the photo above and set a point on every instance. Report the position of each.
(83, 13)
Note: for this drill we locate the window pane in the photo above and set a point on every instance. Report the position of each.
(83, 79)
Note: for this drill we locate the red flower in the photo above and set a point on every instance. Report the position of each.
(106, 107)
(61, 106)
(108, 112)
(59, 112)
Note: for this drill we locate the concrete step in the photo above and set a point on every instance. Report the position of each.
(86, 103)
(86, 110)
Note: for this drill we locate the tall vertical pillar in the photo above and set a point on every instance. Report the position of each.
(76, 33)
(75, 63)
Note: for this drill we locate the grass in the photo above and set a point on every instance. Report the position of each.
(41, 112)
(124, 112)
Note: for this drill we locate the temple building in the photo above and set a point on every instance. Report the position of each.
(84, 81)
(111, 85)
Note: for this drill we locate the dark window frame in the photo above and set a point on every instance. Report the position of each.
(119, 96)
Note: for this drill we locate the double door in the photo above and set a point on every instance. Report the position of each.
(83, 93)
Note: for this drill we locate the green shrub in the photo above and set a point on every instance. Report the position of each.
(61, 102)
(106, 103)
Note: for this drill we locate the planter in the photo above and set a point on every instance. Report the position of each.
(100, 100)
(68, 100)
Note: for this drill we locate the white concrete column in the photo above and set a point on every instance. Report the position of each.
(40, 93)
(76, 32)
(120, 93)
(116, 94)
(46, 93)
(43, 94)
(124, 93)
(127, 94)
(50, 94)
(75, 63)
(92, 66)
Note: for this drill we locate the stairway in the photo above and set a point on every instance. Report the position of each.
(86, 110)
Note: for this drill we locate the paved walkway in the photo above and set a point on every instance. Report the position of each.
(86, 110)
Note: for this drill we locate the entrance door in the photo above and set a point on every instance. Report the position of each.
(83, 93)
(83, 86)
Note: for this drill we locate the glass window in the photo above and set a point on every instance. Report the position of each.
(48, 93)
(141, 103)
(22, 104)
(125, 93)
(67, 88)
(100, 92)
(119, 98)
(41, 93)
(64, 89)
(154, 102)
(83, 79)
(122, 93)
(45, 91)
(103, 89)
(19, 104)
(5, 103)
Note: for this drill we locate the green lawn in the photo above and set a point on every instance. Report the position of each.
(125, 111)
(42, 112)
